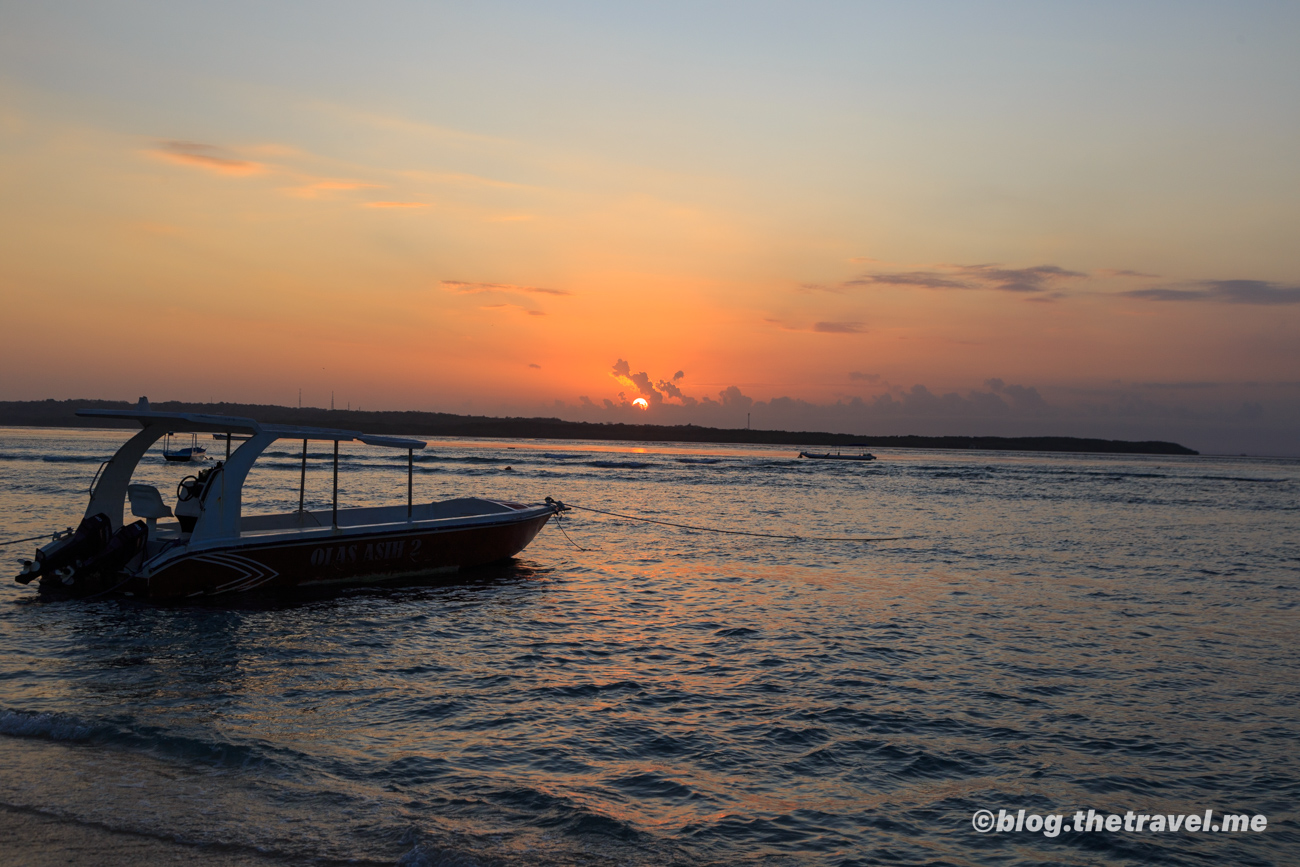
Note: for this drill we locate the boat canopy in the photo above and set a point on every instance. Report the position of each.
(221, 518)
(199, 422)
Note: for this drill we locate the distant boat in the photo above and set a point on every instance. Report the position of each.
(194, 452)
(839, 456)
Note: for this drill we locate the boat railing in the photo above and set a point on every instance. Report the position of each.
(91, 490)
(365, 516)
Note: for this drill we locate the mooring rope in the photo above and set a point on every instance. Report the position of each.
(560, 523)
(30, 539)
(742, 532)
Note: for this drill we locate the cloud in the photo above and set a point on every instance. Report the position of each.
(463, 180)
(923, 279)
(1023, 398)
(643, 384)
(503, 306)
(326, 188)
(396, 205)
(655, 392)
(1001, 399)
(622, 371)
(1166, 294)
(208, 157)
(838, 327)
(821, 327)
(466, 288)
(670, 388)
(1113, 272)
(732, 396)
(1036, 279)
(506, 295)
(535, 366)
(1260, 292)
(863, 377)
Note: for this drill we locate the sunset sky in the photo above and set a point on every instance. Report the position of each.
(967, 218)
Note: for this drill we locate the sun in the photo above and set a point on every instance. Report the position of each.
(641, 403)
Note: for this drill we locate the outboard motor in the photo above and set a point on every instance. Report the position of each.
(91, 538)
(189, 497)
(125, 544)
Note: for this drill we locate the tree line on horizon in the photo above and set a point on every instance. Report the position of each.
(55, 413)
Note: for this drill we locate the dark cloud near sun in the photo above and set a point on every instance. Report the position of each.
(646, 387)
(654, 392)
(1258, 292)
(622, 370)
(670, 388)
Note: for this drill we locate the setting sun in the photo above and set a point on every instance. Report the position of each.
(641, 403)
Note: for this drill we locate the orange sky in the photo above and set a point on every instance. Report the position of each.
(471, 212)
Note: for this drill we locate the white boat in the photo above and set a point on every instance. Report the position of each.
(192, 452)
(862, 455)
(212, 548)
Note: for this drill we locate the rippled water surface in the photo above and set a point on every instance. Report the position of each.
(1047, 632)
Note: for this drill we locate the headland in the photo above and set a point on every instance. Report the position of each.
(54, 413)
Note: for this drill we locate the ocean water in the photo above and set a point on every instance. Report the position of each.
(1051, 633)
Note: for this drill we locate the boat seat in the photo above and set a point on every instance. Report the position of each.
(147, 503)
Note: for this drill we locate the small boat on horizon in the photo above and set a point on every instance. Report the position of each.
(193, 452)
(839, 456)
(213, 549)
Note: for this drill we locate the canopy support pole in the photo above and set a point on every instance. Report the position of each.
(334, 511)
(410, 484)
(302, 480)
(227, 445)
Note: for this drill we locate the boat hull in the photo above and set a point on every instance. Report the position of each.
(350, 556)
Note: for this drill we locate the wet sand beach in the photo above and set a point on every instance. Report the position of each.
(31, 839)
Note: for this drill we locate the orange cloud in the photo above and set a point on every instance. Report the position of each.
(464, 180)
(527, 310)
(213, 159)
(853, 327)
(324, 189)
(464, 288)
(397, 204)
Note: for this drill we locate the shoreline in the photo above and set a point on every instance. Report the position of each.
(32, 838)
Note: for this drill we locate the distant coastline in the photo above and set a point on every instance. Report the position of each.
(55, 413)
